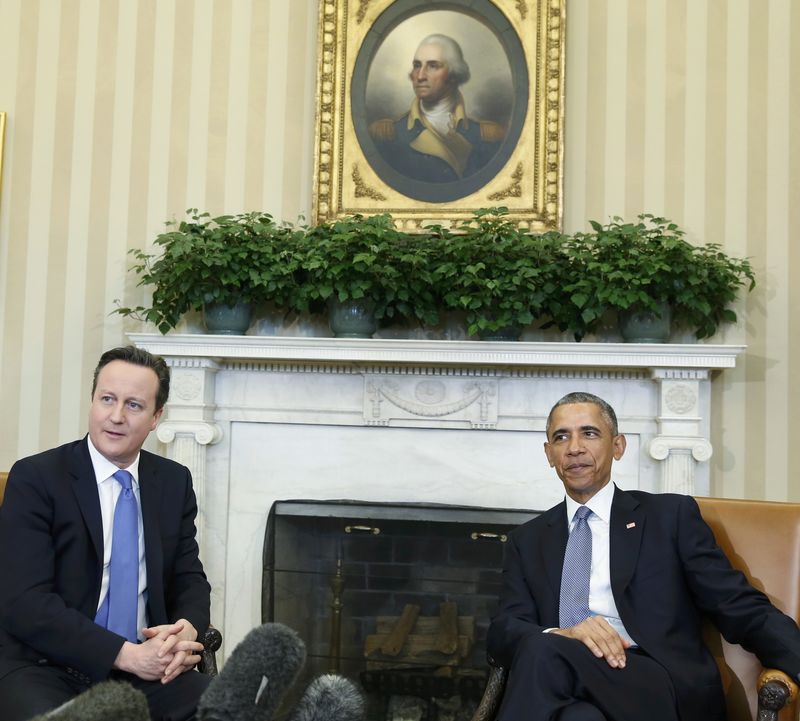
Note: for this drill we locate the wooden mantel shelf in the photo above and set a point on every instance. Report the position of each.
(447, 352)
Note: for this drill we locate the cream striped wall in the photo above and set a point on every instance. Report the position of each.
(123, 113)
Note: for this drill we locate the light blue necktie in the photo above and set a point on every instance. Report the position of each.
(573, 604)
(119, 610)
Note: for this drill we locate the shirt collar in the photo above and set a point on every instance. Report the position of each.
(104, 469)
(459, 113)
(599, 504)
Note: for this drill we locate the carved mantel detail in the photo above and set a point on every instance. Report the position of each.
(189, 426)
(397, 400)
(681, 443)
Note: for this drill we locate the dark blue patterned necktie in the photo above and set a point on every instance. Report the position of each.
(119, 610)
(573, 604)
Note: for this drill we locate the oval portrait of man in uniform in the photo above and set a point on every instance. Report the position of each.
(439, 97)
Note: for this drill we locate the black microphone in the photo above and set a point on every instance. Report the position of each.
(254, 679)
(116, 700)
(330, 698)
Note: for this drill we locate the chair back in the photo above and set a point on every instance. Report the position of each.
(761, 539)
(3, 479)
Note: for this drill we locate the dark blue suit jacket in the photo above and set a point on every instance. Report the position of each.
(666, 573)
(51, 559)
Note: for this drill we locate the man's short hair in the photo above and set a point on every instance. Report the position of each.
(139, 357)
(606, 411)
(459, 70)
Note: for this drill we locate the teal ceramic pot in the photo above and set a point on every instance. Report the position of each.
(646, 326)
(221, 319)
(352, 318)
(509, 333)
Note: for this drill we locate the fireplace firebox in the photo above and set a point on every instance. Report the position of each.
(397, 597)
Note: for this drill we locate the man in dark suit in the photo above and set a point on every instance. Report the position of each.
(617, 635)
(58, 605)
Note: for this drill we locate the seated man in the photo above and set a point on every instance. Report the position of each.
(600, 613)
(98, 559)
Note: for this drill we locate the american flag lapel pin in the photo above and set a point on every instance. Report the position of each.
(631, 525)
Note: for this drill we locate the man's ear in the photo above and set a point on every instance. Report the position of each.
(547, 453)
(620, 444)
(156, 418)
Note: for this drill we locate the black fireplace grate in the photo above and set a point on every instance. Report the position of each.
(334, 570)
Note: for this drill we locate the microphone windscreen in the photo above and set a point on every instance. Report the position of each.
(107, 700)
(330, 698)
(255, 677)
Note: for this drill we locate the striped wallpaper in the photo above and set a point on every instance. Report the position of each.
(123, 113)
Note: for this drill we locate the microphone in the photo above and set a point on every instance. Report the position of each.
(254, 679)
(116, 700)
(330, 698)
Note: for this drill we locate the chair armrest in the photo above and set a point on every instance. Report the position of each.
(775, 690)
(490, 702)
(211, 640)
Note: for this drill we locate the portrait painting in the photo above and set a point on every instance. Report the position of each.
(434, 119)
(430, 110)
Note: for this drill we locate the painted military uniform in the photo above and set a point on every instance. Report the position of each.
(416, 149)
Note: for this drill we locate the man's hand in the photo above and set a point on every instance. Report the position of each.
(178, 647)
(142, 659)
(602, 640)
(166, 653)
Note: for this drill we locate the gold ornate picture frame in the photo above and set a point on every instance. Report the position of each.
(502, 142)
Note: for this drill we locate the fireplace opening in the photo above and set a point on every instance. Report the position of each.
(396, 597)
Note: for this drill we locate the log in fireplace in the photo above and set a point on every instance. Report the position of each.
(397, 597)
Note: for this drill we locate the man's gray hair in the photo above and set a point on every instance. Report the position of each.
(459, 70)
(606, 411)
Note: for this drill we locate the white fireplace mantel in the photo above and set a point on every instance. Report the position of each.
(448, 352)
(264, 418)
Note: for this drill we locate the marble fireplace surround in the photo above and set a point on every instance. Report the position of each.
(259, 419)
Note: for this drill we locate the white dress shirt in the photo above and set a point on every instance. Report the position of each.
(601, 599)
(440, 115)
(108, 489)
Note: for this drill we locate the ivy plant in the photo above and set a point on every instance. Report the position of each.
(498, 274)
(360, 257)
(501, 276)
(643, 265)
(230, 259)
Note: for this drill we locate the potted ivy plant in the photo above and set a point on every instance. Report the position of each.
(502, 277)
(364, 271)
(208, 264)
(648, 272)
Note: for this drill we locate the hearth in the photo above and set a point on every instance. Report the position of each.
(395, 596)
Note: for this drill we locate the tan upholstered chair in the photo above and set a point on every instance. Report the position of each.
(3, 479)
(761, 539)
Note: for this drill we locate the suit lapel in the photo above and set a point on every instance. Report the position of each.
(625, 538)
(151, 486)
(554, 545)
(84, 486)
(150, 489)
